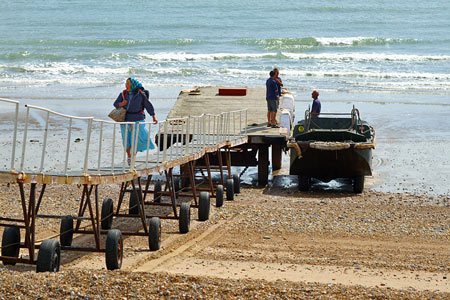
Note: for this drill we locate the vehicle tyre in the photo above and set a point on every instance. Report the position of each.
(157, 192)
(203, 206)
(177, 184)
(154, 234)
(66, 231)
(133, 208)
(11, 244)
(237, 183)
(114, 249)
(49, 256)
(107, 214)
(185, 217)
(186, 182)
(358, 184)
(219, 195)
(230, 189)
(304, 183)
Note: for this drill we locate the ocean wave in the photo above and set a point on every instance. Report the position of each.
(365, 57)
(64, 68)
(311, 42)
(181, 56)
(112, 43)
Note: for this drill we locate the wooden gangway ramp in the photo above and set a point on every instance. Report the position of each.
(43, 147)
(212, 99)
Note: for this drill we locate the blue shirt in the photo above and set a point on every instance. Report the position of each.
(279, 86)
(271, 89)
(316, 106)
(135, 107)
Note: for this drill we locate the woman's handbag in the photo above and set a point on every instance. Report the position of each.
(118, 114)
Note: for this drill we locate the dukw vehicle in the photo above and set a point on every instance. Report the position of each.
(334, 145)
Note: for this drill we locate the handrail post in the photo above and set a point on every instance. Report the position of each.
(148, 144)
(69, 136)
(188, 130)
(45, 142)
(100, 147)
(165, 142)
(246, 122)
(13, 155)
(135, 145)
(125, 146)
(159, 144)
(88, 141)
(113, 148)
(25, 139)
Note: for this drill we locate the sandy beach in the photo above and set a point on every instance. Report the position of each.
(272, 242)
(391, 242)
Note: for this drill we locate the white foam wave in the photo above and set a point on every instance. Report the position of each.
(366, 57)
(182, 56)
(62, 68)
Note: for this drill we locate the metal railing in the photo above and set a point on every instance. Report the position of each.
(58, 144)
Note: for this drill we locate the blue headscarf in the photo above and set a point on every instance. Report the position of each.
(135, 84)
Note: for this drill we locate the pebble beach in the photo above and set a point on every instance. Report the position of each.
(272, 242)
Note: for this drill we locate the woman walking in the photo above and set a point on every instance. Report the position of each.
(135, 99)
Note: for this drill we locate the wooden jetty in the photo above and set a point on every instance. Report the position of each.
(212, 99)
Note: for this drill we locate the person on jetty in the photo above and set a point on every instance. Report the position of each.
(272, 99)
(135, 98)
(278, 81)
(316, 106)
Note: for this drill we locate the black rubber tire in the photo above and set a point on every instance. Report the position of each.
(66, 231)
(157, 192)
(203, 206)
(219, 195)
(133, 208)
(237, 183)
(230, 189)
(185, 217)
(114, 249)
(11, 244)
(154, 234)
(304, 183)
(358, 184)
(186, 182)
(107, 214)
(49, 256)
(177, 184)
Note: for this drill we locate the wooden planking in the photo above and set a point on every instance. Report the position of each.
(206, 100)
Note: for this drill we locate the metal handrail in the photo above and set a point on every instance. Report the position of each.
(205, 131)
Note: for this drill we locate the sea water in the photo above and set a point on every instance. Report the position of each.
(389, 58)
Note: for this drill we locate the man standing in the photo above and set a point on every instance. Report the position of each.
(278, 81)
(316, 106)
(272, 98)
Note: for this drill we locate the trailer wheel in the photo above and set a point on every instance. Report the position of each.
(66, 231)
(237, 183)
(219, 195)
(185, 217)
(49, 256)
(133, 208)
(107, 214)
(358, 184)
(304, 183)
(157, 192)
(154, 234)
(11, 244)
(203, 206)
(230, 189)
(177, 184)
(186, 182)
(114, 249)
